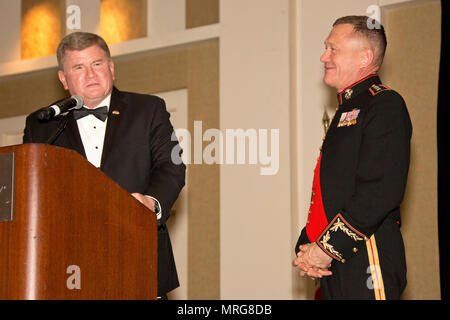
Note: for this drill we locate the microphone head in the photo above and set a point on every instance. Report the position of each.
(79, 101)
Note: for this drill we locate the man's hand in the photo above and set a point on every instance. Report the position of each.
(146, 201)
(312, 261)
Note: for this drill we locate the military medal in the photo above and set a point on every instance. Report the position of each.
(348, 118)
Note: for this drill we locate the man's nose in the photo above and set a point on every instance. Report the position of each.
(325, 57)
(89, 72)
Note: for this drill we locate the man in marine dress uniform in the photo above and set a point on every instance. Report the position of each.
(352, 238)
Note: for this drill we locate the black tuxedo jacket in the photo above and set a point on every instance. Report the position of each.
(136, 154)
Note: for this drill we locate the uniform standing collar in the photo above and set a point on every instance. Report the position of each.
(357, 87)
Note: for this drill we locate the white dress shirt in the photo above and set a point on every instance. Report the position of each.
(92, 132)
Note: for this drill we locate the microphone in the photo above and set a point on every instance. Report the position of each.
(61, 106)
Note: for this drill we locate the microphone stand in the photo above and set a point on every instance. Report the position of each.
(61, 126)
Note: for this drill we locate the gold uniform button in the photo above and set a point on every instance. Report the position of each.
(355, 250)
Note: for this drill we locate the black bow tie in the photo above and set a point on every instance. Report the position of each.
(101, 113)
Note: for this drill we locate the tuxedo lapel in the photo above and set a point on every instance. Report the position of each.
(116, 108)
(73, 135)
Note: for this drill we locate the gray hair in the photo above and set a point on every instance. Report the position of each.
(376, 35)
(79, 41)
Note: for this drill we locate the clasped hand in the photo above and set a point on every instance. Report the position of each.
(146, 201)
(312, 261)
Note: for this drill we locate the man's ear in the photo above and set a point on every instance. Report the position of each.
(367, 57)
(62, 78)
(111, 68)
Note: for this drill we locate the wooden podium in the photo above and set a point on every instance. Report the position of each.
(74, 233)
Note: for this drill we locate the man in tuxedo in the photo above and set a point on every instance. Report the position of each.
(352, 238)
(126, 135)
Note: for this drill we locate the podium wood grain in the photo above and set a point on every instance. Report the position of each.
(68, 213)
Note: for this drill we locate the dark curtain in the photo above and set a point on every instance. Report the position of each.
(443, 154)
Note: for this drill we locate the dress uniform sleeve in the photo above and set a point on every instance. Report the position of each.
(302, 239)
(381, 177)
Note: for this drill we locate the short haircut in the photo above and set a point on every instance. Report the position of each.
(79, 41)
(373, 32)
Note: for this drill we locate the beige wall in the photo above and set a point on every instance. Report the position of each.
(412, 68)
(201, 12)
(24, 93)
(10, 30)
(255, 211)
